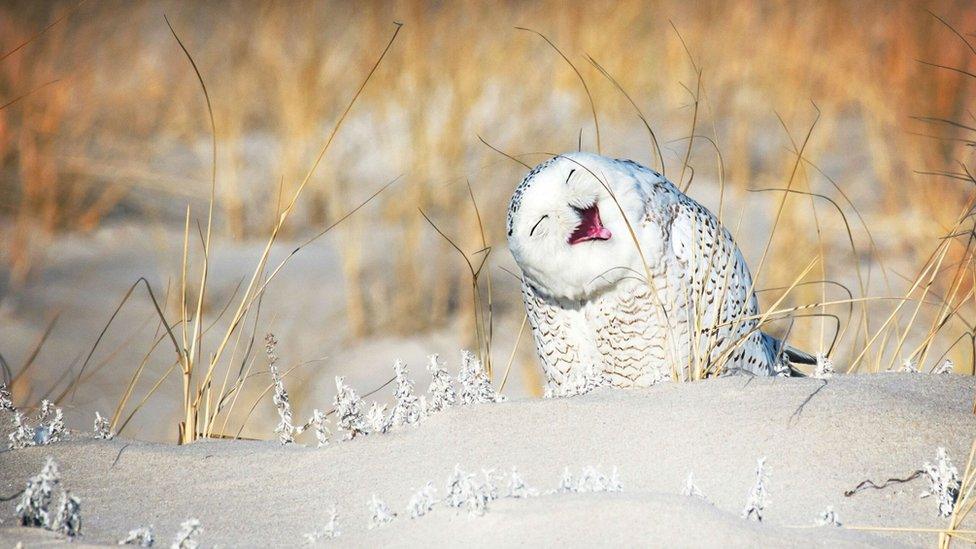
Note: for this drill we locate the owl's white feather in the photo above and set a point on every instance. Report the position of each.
(626, 275)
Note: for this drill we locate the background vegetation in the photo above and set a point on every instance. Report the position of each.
(104, 124)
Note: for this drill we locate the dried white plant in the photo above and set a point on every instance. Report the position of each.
(908, 365)
(947, 367)
(377, 420)
(349, 410)
(50, 427)
(46, 411)
(943, 482)
(34, 506)
(102, 428)
(423, 501)
(458, 486)
(55, 429)
(566, 483)
(592, 480)
(380, 513)
(464, 491)
(828, 518)
(758, 495)
(185, 537)
(824, 368)
(517, 488)
(406, 409)
(319, 425)
(490, 486)
(441, 393)
(285, 429)
(329, 531)
(478, 499)
(613, 483)
(23, 434)
(583, 379)
(475, 385)
(68, 520)
(6, 400)
(143, 537)
(691, 489)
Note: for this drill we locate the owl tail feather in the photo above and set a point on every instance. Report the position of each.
(791, 355)
(796, 356)
(786, 356)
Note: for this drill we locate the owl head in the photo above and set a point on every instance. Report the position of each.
(567, 228)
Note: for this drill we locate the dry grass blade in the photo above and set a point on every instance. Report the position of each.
(32, 357)
(118, 309)
(23, 95)
(696, 95)
(946, 67)
(589, 96)
(486, 312)
(954, 31)
(261, 396)
(779, 213)
(197, 392)
(475, 292)
(658, 155)
(54, 23)
(192, 354)
(944, 121)
(965, 501)
(720, 163)
(503, 153)
(511, 357)
(5, 370)
(864, 280)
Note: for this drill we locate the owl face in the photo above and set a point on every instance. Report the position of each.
(566, 231)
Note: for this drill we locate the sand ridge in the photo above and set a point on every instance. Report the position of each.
(819, 440)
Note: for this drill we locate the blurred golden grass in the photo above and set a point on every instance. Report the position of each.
(119, 134)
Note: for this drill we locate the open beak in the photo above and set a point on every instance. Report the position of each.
(590, 227)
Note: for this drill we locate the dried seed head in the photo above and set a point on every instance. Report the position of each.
(943, 482)
(185, 537)
(828, 518)
(380, 513)
(423, 501)
(757, 495)
(824, 368)
(102, 428)
(143, 537)
(475, 385)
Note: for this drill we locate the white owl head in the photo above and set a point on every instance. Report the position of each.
(565, 229)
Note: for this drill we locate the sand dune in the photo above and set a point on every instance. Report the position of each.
(819, 440)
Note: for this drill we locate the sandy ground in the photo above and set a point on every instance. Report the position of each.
(257, 493)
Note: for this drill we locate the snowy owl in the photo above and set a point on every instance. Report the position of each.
(627, 280)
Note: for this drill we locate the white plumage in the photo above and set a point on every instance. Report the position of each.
(629, 281)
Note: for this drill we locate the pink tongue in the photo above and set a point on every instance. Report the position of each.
(590, 228)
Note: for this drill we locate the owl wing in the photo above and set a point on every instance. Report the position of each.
(700, 275)
(562, 337)
(711, 270)
(707, 257)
